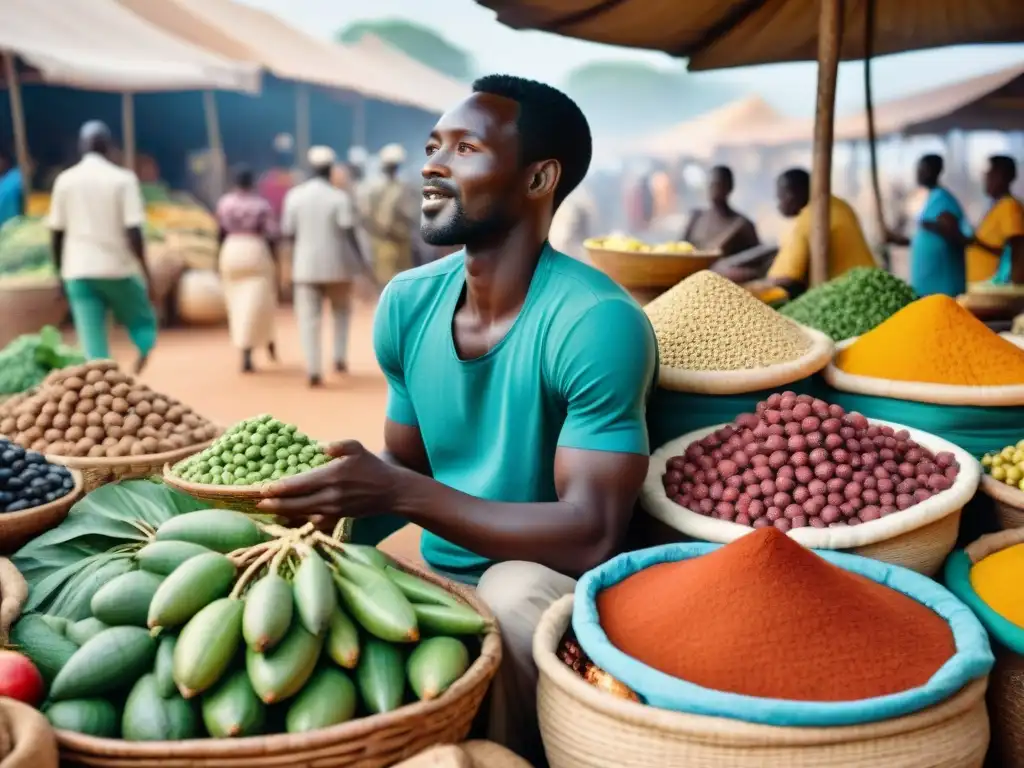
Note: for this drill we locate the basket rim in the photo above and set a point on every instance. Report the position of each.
(68, 499)
(1004, 395)
(713, 729)
(480, 673)
(156, 459)
(751, 379)
(1001, 492)
(656, 503)
(957, 573)
(695, 255)
(204, 491)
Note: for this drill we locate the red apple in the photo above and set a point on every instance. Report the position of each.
(20, 680)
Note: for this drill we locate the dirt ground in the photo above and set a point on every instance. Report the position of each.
(200, 367)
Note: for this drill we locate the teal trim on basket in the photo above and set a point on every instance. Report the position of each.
(973, 658)
(958, 579)
(976, 429)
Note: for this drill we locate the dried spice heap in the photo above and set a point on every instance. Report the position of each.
(765, 617)
(708, 323)
(935, 341)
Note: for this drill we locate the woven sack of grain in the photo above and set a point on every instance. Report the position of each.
(1006, 689)
(720, 350)
(918, 538)
(201, 298)
(583, 726)
(934, 338)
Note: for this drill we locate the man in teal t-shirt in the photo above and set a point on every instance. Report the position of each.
(518, 379)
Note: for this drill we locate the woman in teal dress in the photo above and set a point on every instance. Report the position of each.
(937, 262)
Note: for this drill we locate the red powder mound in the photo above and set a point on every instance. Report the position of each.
(764, 616)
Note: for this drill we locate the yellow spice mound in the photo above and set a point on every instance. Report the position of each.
(708, 323)
(997, 579)
(936, 341)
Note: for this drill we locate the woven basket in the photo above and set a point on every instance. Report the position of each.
(18, 528)
(370, 742)
(98, 472)
(242, 498)
(638, 269)
(11, 584)
(583, 726)
(939, 394)
(918, 538)
(1009, 502)
(28, 307)
(1006, 693)
(754, 379)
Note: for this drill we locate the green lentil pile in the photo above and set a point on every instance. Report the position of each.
(708, 323)
(251, 452)
(852, 304)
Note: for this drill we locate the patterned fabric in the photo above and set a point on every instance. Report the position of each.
(246, 213)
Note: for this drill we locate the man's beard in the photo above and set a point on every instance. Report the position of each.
(458, 229)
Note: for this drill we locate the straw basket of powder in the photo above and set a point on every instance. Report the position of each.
(375, 741)
(918, 538)
(1006, 690)
(105, 425)
(647, 272)
(584, 726)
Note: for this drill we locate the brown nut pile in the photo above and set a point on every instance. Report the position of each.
(572, 655)
(95, 410)
(708, 323)
(799, 461)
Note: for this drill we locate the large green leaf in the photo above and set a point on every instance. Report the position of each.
(57, 563)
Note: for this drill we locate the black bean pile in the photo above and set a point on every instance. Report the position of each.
(28, 480)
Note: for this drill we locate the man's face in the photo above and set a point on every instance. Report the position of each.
(790, 202)
(926, 174)
(5, 165)
(473, 184)
(995, 184)
(719, 189)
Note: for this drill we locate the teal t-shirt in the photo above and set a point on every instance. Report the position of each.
(573, 371)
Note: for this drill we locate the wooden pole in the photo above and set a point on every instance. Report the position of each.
(830, 38)
(213, 136)
(18, 120)
(128, 130)
(869, 52)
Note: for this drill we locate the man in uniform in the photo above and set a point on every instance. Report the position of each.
(392, 217)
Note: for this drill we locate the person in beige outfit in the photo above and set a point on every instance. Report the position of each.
(393, 215)
(321, 220)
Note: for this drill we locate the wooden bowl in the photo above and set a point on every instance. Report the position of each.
(641, 269)
(18, 528)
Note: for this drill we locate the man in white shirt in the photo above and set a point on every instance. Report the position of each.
(321, 220)
(96, 218)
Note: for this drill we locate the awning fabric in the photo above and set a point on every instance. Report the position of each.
(240, 32)
(98, 45)
(700, 136)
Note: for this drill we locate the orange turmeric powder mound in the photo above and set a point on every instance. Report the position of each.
(765, 617)
(934, 340)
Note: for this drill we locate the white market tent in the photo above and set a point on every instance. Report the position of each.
(98, 45)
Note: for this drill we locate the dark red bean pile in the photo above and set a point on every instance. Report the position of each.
(799, 461)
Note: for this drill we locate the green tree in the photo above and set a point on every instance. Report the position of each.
(419, 42)
(623, 98)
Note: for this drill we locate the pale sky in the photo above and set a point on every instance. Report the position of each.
(497, 48)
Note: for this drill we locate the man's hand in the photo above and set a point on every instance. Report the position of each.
(356, 484)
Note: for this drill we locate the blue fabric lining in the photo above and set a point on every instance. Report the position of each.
(958, 579)
(973, 658)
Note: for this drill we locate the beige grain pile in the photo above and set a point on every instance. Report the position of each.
(708, 323)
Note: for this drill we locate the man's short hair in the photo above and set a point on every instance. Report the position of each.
(797, 179)
(724, 171)
(933, 162)
(1005, 164)
(551, 127)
